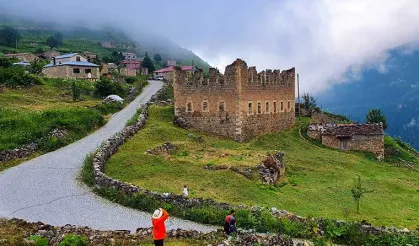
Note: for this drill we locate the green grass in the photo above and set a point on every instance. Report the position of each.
(318, 179)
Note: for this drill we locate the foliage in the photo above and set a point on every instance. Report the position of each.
(36, 67)
(358, 191)
(309, 103)
(148, 63)
(397, 151)
(157, 57)
(166, 93)
(19, 127)
(73, 240)
(109, 108)
(16, 76)
(9, 36)
(130, 80)
(86, 174)
(6, 62)
(134, 118)
(75, 91)
(375, 116)
(39, 240)
(116, 57)
(55, 41)
(106, 87)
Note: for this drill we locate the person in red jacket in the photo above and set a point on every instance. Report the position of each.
(159, 228)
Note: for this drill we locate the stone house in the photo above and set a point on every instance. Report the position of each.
(127, 71)
(167, 72)
(240, 104)
(129, 56)
(48, 55)
(25, 57)
(90, 56)
(359, 137)
(71, 66)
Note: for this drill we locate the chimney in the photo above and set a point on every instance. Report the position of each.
(53, 61)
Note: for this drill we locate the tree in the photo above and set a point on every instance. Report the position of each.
(157, 58)
(55, 41)
(75, 91)
(358, 191)
(148, 63)
(375, 116)
(36, 67)
(309, 103)
(9, 36)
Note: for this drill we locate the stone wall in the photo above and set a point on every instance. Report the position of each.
(66, 72)
(239, 104)
(125, 71)
(372, 143)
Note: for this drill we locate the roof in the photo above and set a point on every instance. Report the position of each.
(17, 54)
(22, 63)
(131, 62)
(73, 63)
(347, 130)
(171, 68)
(66, 56)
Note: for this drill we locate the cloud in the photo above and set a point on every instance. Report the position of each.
(328, 41)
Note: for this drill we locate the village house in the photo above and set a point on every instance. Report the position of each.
(240, 104)
(48, 55)
(24, 57)
(171, 63)
(129, 56)
(167, 72)
(71, 66)
(90, 56)
(360, 137)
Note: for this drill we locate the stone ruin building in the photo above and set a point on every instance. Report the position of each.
(240, 104)
(361, 137)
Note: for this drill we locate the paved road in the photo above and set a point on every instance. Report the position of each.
(45, 188)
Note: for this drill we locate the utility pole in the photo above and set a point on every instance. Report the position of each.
(298, 89)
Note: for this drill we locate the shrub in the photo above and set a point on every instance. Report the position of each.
(109, 108)
(39, 240)
(130, 80)
(16, 76)
(106, 87)
(73, 240)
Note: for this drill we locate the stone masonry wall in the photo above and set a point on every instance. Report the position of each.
(371, 143)
(253, 103)
(66, 72)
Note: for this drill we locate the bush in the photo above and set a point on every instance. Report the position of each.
(39, 240)
(130, 80)
(73, 240)
(106, 87)
(109, 108)
(16, 76)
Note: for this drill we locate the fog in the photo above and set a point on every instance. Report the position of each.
(328, 41)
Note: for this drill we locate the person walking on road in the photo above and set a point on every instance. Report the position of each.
(159, 228)
(185, 191)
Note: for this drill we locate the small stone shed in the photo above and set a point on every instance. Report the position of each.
(360, 137)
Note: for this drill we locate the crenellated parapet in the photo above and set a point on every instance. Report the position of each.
(237, 74)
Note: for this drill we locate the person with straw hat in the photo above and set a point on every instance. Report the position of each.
(159, 228)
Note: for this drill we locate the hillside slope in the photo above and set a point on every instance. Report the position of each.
(79, 39)
(395, 91)
(318, 179)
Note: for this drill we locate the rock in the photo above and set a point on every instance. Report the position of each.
(113, 98)
(181, 122)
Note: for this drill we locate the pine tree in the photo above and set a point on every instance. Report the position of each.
(148, 63)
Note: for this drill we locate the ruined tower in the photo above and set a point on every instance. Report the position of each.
(240, 104)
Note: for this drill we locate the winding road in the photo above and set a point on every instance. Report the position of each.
(46, 188)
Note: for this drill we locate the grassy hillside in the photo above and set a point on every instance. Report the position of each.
(318, 181)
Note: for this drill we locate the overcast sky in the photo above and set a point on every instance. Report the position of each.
(328, 41)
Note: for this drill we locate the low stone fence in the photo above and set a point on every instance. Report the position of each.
(55, 234)
(103, 181)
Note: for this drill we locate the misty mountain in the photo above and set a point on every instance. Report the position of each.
(123, 38)
(395, 91)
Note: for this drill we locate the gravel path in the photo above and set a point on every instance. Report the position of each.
(45, 188)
